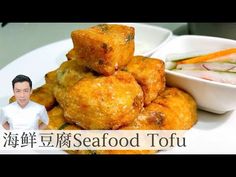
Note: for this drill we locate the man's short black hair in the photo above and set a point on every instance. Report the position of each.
(21, 78)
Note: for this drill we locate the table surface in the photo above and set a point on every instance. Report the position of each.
(16, 39)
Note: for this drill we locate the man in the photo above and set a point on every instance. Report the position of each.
(23, 114)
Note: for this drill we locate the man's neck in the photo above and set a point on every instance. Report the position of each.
(23, 106)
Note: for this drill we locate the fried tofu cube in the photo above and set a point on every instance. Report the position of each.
(57, 120)
(150, 74)
(173, 109)
(71, 72)
(51, 77)
(176, 109)
(104, 48)
(103, 102)
(72, 55)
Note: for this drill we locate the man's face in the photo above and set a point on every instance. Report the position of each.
(22, 93)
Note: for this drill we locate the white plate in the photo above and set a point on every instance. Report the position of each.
(209, 135)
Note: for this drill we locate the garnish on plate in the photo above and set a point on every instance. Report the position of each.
(219, 66)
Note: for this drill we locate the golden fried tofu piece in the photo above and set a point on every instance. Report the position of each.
(12, 99)
(105, 47)
(147, 120)
(103, 102)
(72, 55)
(57, 120)
(51, 77)
(142, 122)
(42, 95)
(174, 110)
(150, 74)
(71, 72)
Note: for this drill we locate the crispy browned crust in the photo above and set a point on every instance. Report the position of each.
(150, 74)
(57, 120)
(71, 72)
(104, 48)
(103, 102)
(72, 55)
(178, 109)
(173, 109)
(51, 77)
(110, 99)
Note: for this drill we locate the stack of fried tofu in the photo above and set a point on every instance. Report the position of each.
(104, 86)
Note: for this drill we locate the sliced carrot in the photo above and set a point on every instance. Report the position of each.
(208, 57)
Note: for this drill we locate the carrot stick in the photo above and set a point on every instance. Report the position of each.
(208, 57)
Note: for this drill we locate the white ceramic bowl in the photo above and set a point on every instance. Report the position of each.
(148, 38)
(210, 96)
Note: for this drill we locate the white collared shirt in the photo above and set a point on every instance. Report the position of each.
(26, 118)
